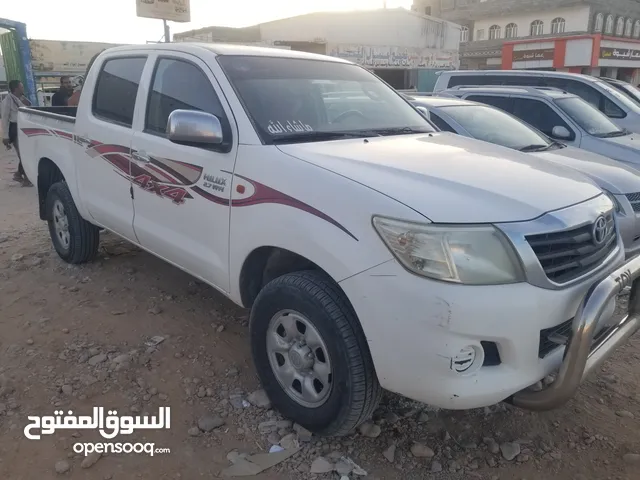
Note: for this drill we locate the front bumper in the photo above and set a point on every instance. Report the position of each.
(415, 327)
(585, 350)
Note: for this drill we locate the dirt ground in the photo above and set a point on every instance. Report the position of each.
(77, 337)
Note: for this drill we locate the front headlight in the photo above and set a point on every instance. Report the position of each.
(472, 255)
(614, 200)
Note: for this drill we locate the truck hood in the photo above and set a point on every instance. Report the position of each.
(606, 173)
(452, 179)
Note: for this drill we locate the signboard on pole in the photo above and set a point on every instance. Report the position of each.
(174, 10)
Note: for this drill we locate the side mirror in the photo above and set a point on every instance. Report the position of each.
(561, 133)
(425, 113)
(192, 127)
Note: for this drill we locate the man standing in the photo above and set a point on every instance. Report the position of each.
(61, 97)
(9, 109)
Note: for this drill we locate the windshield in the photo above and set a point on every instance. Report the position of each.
(592, 120)
(290, 99)
(495, 126)
(624, 99)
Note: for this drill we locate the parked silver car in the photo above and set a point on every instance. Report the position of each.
(493, 125)
(561, 116)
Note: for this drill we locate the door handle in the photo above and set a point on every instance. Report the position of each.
(140, 156)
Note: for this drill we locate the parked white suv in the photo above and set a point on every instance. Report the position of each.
(616, 105)
(372, 250)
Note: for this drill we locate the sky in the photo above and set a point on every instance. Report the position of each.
(115, 21)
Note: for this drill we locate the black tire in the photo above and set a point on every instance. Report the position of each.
(84, 237)
(355, 392)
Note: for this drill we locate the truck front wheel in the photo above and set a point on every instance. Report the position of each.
(75, 239)
(311, 354)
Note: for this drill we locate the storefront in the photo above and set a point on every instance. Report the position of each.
(596, 55)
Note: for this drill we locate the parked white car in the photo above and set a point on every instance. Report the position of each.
(616, 105)
(561, 116)
(372, 250)
(484, 122)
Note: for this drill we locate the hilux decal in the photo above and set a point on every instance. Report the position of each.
(175, 180)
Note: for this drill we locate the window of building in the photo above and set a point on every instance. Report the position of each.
(464, 34)
(114, 96)
(179, 85)
(539, 115)
(427, 10)
(620, 26)
(557, 25)
(628, 27)
(511, 31)
(494, 32)
(636, 29)
(537, 28)
(608, 27)
(480, 34)
(599, 23)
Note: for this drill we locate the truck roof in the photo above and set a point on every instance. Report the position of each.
(229, 49)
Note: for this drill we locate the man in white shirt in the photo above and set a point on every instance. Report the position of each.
(9, 110)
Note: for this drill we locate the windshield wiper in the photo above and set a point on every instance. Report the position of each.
(615, 133)
(319, 136)
(535, 148)
(399, 131)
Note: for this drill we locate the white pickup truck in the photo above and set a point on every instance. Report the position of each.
(372, 250)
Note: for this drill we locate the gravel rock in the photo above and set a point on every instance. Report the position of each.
(370, 430)
(321, 465)
(304, 435)
(62, 467)
(390, 453)
(510, 450)
(97, 359)
(423, 417)
(343, 468)
(631, 458)
(420, 450)
(492, 445)
(16, 257)
(194, 431)
(67, 389)
(90, 460)
(625, 414)
(436, 466)
(259, 399)
(289, 442)
(208, 422)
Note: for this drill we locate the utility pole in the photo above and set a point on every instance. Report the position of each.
(167, 33)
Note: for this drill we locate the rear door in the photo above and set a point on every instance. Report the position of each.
(182, 193)
(104, 136)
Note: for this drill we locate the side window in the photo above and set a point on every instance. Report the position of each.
(503, 103)
(521, 80)
(440, 123)
(588, 93)
(539, 115)
(456, 80)
(610, 109)
(114, 96)
(179, 85)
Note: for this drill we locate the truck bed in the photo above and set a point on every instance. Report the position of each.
(65, 114)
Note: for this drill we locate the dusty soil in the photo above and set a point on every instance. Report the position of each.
(77, 337)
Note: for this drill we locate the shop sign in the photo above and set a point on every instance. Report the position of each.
(619, 53)
(393, 57)
(532, 55)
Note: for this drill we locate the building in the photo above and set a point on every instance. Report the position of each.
(404, 48)
(597, 37)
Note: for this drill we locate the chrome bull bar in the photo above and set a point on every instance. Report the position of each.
(582, 354)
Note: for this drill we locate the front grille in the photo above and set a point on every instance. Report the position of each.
(634, 199)
(552, 338)
(568, 254)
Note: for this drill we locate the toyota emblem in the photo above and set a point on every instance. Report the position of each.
(599, 232)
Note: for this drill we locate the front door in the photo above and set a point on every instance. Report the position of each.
(182, 193)
(104, 137)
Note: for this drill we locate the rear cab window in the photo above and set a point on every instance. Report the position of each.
(114, 96)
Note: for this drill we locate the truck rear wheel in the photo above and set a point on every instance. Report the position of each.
(75, 239)
(311, 354)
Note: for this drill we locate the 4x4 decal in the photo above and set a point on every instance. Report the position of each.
(175, 180)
